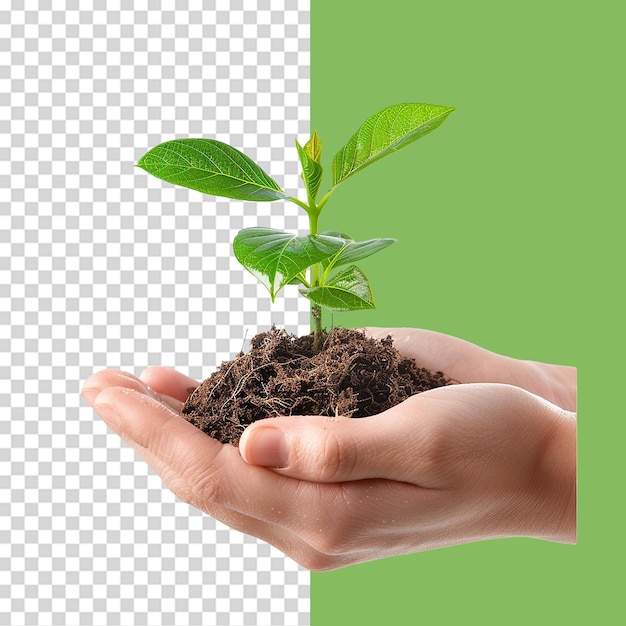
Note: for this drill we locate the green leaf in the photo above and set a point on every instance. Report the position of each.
(355, 250)
(313, 147)
(276, 257)
(384, 133)
(211, 167)
(311, 169)
(347, 291)
(336, 233)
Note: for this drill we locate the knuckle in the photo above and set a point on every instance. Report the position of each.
(337, 458)
(207, 488)
(197, 487)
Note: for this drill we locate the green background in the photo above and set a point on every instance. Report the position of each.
(511, 235)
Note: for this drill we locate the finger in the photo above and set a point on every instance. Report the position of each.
(460, 360)
(430, 349)
(199, 469)
(333, 450)
(116, 378)
(113, 378)
(169, 382)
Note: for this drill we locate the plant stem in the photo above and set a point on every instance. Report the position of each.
(301, 204)
(316, 311)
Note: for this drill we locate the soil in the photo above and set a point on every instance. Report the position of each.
(353, 375)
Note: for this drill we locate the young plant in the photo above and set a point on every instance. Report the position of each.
(279, 258)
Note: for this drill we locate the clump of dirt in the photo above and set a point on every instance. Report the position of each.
(352, 375)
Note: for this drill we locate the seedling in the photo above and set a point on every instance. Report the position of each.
(279, 258)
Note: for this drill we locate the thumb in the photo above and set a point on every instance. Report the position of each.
(338, 449)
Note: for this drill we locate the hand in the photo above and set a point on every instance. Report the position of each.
(452, 465)
(456, 464)
(466, 362)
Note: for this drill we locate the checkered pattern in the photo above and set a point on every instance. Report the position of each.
(103, 266)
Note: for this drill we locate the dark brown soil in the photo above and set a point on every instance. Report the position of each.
(353, 375)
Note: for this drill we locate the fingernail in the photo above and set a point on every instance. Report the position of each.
(265, 446)
(90, 394)
(109, 416)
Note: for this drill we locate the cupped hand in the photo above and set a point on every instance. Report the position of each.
(452, 465)
(466, 362)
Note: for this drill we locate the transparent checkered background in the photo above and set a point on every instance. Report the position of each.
(103, 266)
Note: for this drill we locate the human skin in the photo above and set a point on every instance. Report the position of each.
(494, 456)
